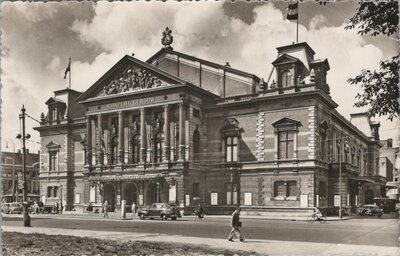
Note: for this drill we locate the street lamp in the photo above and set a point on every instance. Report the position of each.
(27, 219)
(13, 170)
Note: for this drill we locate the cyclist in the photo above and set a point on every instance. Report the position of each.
(317, 213)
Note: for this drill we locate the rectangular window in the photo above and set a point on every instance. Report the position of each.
(196, 189)
(92, 194)
(49, 191)
(196, 112)
(285, 144)
(53, 160)
(248, 198)
(231, 149)
(77, 198)
(292, 189)
(55, 191)
(280, 189)
(214, 198)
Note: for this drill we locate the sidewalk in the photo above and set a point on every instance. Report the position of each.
(117, 216)
(264, 247)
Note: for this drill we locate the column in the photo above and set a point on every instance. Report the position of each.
(181, 132)
(88, 141)
(165, 152)
(120, 137)
(100, 153)
(142, 136)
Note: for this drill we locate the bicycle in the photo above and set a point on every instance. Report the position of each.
(314, 217)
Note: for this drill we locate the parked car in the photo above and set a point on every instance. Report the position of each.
(370, 209)
(16, 208)
(160, 210)
(5, 208)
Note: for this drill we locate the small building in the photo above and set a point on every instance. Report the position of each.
(181, 129)
(11, 165)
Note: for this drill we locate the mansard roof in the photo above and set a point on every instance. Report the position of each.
(169, 50)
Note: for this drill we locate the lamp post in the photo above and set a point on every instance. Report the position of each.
(27, 219)
(13, 170)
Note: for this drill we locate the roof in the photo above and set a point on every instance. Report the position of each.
(202, 61)
(295, 46)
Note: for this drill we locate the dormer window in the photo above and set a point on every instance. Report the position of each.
(287, 79)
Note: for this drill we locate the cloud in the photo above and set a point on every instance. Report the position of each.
(109, 30)
(54, 64)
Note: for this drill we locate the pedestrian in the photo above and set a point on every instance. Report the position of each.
(104, 210)
(235, 226)
(90, 208)
(133, 209)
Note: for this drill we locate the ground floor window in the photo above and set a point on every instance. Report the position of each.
(231, 193)
(286, 190)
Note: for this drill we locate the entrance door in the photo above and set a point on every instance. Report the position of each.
(109, 196)
(369, 196)
(130, 194)
(151, 194)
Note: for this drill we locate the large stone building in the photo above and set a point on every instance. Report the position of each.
(181, 129)
(11, 174)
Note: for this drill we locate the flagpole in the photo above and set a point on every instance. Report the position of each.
(297, 23)
(69, 73)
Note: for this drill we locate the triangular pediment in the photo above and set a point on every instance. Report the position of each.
(53, 100)
(285, 59)
(130, 75)
(286, 122)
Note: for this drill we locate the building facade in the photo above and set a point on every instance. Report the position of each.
(11, 176)
(181, 129)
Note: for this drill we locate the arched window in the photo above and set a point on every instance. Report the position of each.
(135, 153)
(287, 79)
(196, 145)
(158, 147)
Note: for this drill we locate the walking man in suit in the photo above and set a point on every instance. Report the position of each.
(235, 226)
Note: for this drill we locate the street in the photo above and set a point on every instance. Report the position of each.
(357, 231)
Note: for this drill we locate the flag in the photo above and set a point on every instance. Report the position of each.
(68, 68)
(292, 11)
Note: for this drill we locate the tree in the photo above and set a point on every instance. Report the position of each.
(380, 87)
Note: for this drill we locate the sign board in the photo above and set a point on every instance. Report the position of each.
(336, 201)
(303, 200)
(214, 198)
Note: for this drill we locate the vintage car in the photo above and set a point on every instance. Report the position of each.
(160, 210)
(370, 209)
(5, 207)
(16, 208)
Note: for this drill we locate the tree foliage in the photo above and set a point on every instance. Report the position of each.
(380, 87)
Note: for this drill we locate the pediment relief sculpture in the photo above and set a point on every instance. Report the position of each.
(130, 80)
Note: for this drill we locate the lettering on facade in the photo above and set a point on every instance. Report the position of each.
(129, 103)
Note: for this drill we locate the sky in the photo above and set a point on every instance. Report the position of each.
(38, 38)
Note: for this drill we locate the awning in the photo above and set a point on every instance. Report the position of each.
(362, 180)
(128, 177)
